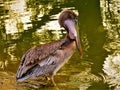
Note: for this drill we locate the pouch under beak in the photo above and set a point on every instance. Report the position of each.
(73, 34)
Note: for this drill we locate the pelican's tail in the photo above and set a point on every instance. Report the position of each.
(30, 73)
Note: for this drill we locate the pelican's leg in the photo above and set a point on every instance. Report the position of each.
(50, 81)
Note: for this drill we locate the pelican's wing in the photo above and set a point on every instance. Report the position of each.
(37, 55)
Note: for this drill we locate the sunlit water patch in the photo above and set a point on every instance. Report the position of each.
(28, 23)
(111, 20)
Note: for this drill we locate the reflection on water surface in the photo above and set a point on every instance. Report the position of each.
(28, 23)
(111, 22)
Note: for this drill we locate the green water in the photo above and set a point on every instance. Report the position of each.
(28, 23)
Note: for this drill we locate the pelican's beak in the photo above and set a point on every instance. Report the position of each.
(70, 25)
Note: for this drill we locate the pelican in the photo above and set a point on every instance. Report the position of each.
(45, 60)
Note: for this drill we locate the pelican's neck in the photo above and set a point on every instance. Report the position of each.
(67, 40)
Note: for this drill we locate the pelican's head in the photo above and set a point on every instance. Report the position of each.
(68, 20)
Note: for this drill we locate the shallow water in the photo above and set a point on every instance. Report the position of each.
(28, 23)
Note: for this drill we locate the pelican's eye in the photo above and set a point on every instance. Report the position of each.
(76, 20)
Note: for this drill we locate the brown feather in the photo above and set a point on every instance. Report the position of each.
(37, 54)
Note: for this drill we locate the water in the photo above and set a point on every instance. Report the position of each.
(28, 23)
